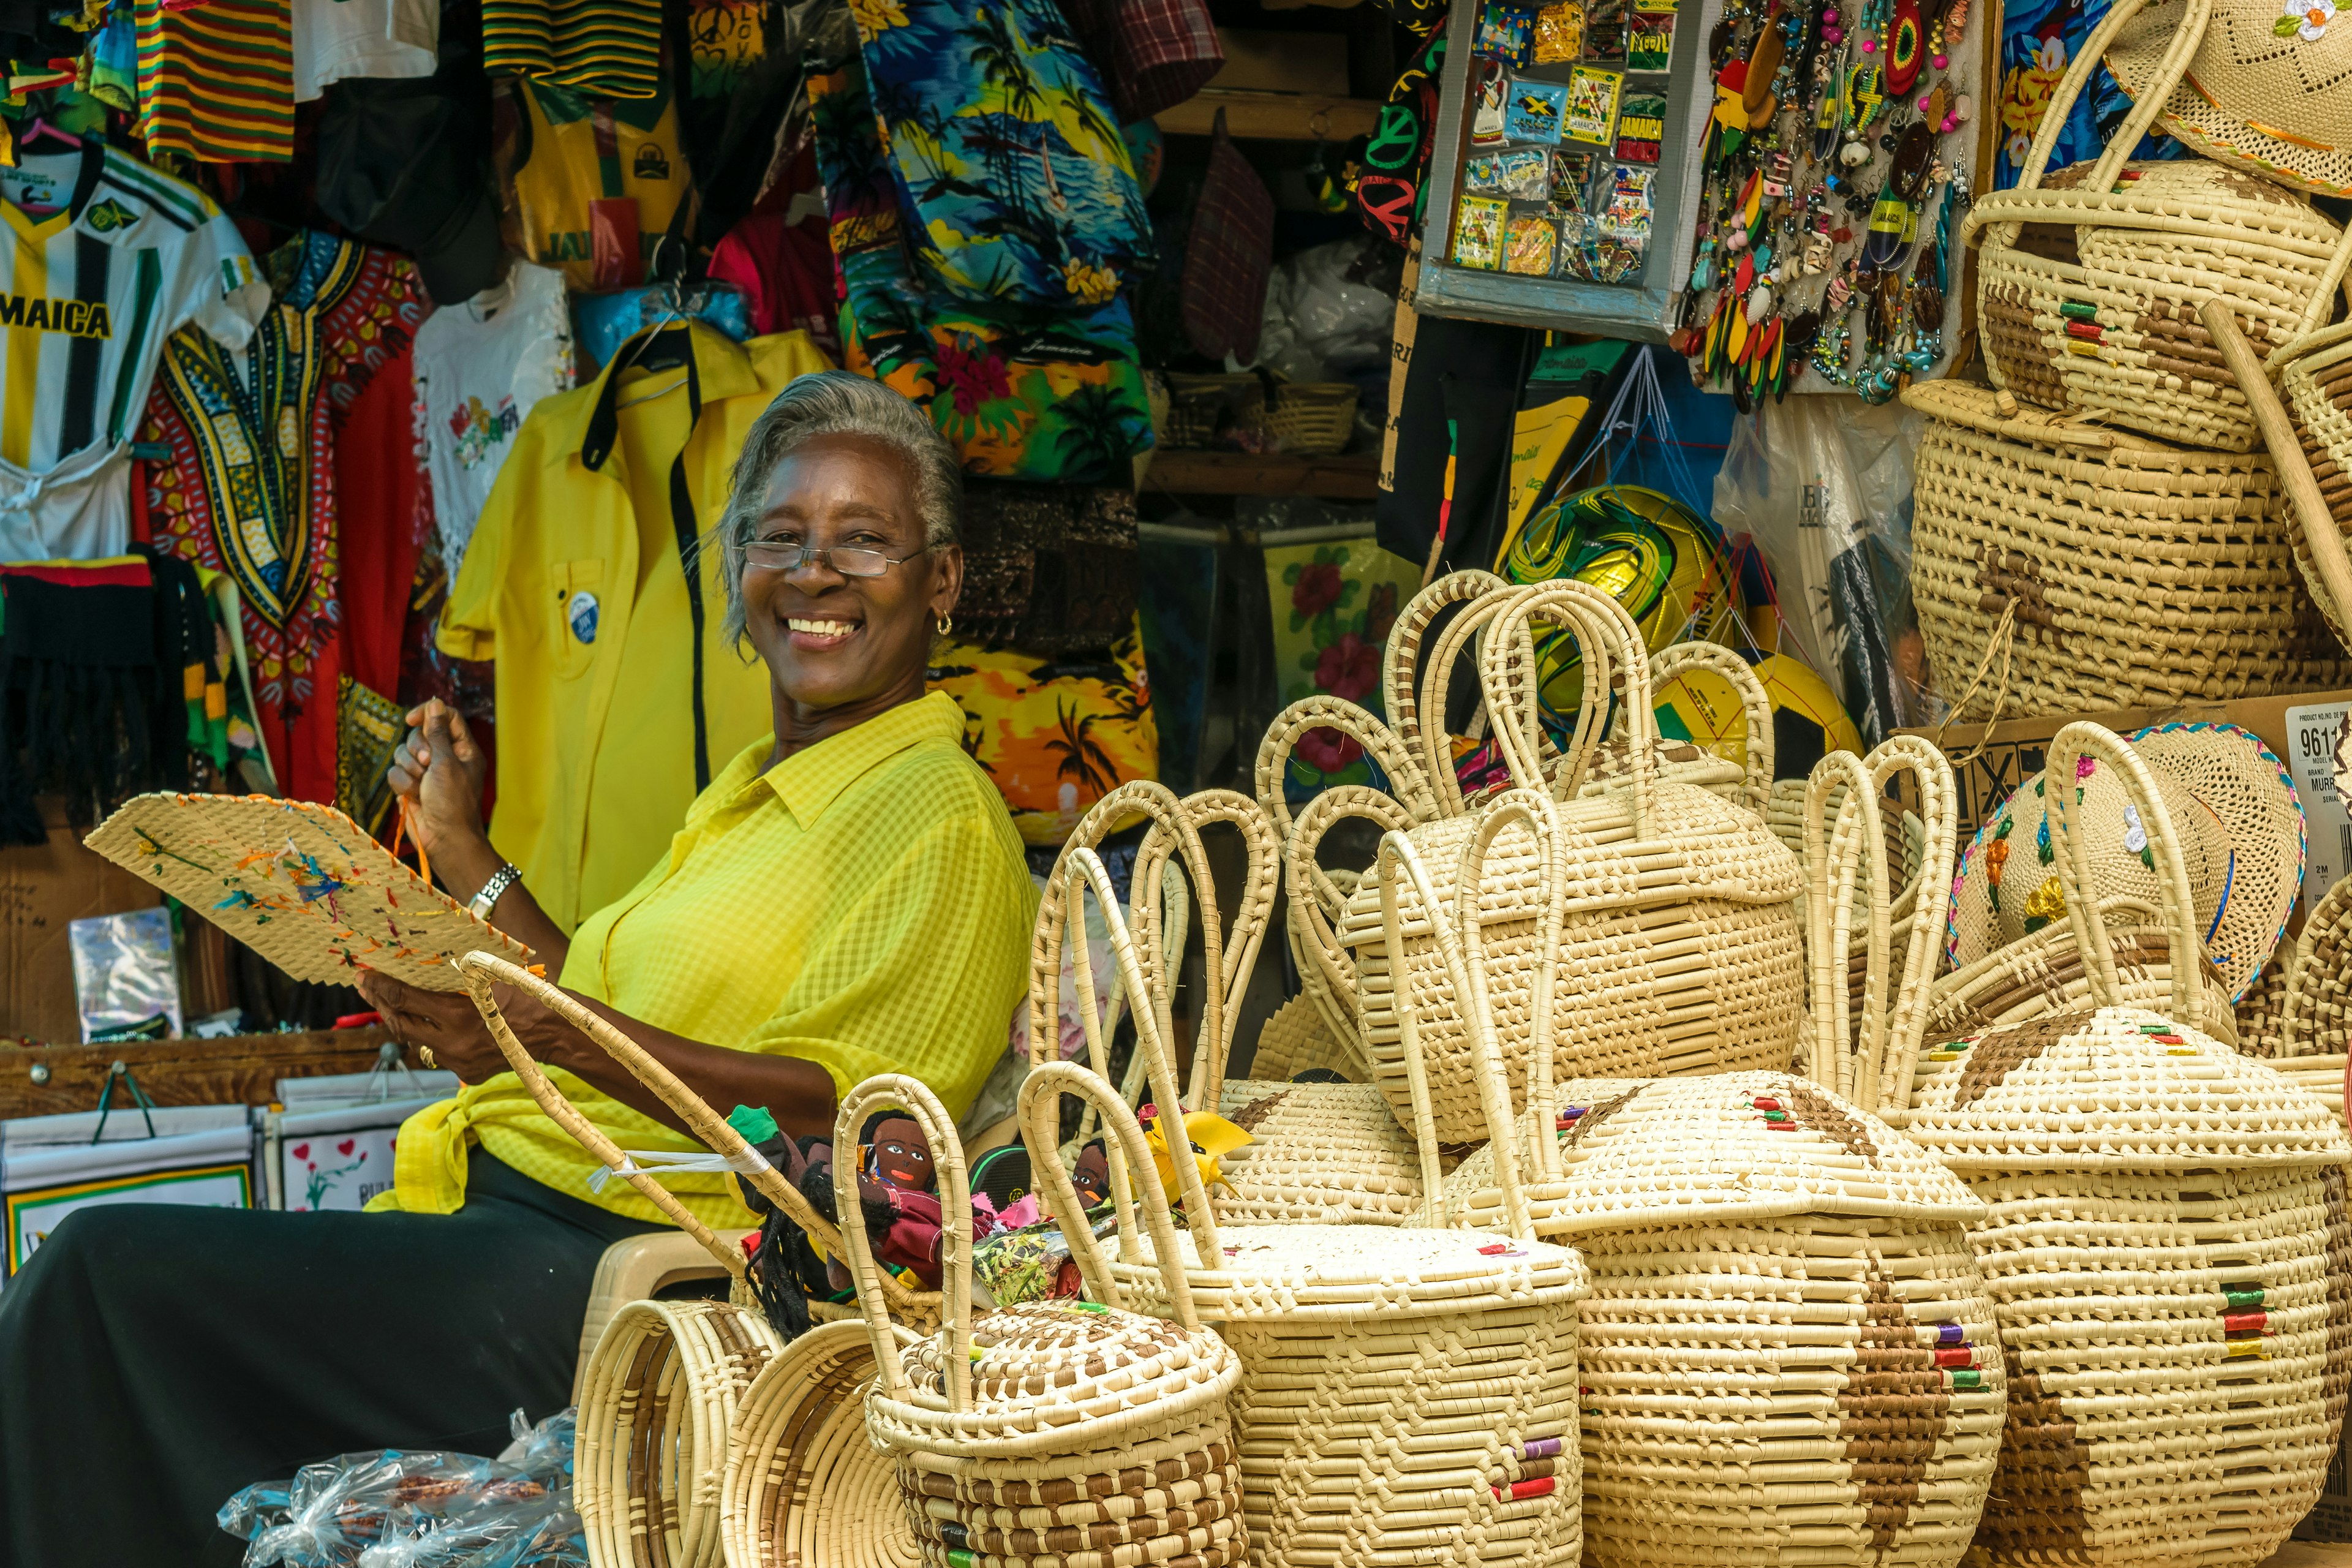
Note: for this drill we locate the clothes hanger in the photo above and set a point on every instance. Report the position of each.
(36, 130)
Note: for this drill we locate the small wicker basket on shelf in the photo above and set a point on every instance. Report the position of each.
(1313, 419)
(2169, 1252)
(1207, 413)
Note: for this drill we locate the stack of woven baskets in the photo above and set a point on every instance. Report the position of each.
(2105, 530)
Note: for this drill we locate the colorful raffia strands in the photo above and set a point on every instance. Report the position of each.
(607, 48)
(302, 885)
(216, 83)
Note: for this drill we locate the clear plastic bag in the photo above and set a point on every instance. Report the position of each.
(125, 980)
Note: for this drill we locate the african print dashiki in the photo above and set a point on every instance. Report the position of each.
(250, 486)
(89, 295)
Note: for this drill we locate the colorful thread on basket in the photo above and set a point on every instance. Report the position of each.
(1775, 1117)
(2246, 1325)
(1517, 1491)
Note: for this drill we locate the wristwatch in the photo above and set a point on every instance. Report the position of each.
(485, 901)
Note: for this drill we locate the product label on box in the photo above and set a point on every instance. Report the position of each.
(2315, 737)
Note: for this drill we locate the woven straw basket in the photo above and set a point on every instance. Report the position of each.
(2072, 567)
(1786, 1353)
(1053, 1433)
(1677, 934)
(1408, 1394)
(1322, 1152)
(480, 971)
(2089, 280)
(2170, 1259)
(660, 1396)
(2316, 1013)
(2310, 438)
(804, 1488)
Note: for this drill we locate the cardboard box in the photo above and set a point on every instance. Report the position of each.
(1259, 60)
(42, 888)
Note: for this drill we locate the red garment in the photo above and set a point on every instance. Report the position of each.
(383, 509)
(249, 486)
(786, 276)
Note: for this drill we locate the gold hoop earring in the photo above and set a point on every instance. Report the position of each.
(947, 624)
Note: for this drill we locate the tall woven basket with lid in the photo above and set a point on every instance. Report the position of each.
(1677, 934)
(1051, 1432)
(1785, 1353)
(2063, 566)
(2090, 280)
(1408, 1394)
(2170, 1256)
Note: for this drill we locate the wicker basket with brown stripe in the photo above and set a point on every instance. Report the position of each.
(1788, 1350)
(2169, 1254)
(2060, 567)
(2315, 1015)
(804, 1488)
(2090, 280)
(1051, 1432)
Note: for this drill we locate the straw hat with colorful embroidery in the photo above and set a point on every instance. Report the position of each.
(2269, 88)
(2241, 838)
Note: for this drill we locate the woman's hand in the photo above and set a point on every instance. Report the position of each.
(442, 1022)
(437, 773)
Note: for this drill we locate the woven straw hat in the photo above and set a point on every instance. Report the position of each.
(2240, 830)
(2279, 104)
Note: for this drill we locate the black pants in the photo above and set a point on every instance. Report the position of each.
(155, 1359)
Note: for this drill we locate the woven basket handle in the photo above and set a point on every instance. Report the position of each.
(1247, 935)
(1940, 813)
(1150, 1045)
(2083, 739)
(1832, 867)
(1464, 953)
(1041, 1116)
(1316, 902)
(478, 972)
(2322, 303)
(1436, 677)
(1405, 675)
(1322, 712)
(1755, 707)
(889, 1091)
(2321, 536)
(1158, 802)
(1596, 620)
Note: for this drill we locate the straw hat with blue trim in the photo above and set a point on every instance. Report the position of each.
(2241, 835)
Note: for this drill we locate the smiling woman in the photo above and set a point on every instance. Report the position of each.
(847, 897)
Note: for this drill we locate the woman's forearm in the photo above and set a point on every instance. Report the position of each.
(798, 1094)
(465, 869)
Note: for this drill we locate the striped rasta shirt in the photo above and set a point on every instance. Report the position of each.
(607, 48)
(217, 80)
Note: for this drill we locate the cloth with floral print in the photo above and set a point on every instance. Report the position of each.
(2039, 39)
(1011, 176)
(1333, 605)
(1021, 392)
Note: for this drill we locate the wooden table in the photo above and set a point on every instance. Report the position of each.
(42, 1080)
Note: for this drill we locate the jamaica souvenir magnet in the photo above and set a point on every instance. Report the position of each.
(1504, 33)
(1478, 232)
(1591, 115)
(1641, 127)
(1530, 245)
(1649, 41)
(1534, 109)
(1560, 34)
(1490, 85)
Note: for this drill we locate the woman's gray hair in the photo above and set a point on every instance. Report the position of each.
(835, 403)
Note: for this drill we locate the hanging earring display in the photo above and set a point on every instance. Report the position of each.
(1903, 42)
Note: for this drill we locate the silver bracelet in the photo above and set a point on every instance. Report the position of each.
(483, 902)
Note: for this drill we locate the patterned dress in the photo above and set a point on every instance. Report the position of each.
(248, 488)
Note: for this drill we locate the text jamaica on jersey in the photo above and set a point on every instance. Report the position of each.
(76, 318)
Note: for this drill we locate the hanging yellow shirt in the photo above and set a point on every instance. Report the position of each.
(862, 904)
(573, 584)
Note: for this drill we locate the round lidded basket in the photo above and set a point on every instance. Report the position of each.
(804, 1488)
(1113, 1421)
(2089, 280)
(2059, 567)
(1678, 938)
(659, 1399)
(2169, 1254)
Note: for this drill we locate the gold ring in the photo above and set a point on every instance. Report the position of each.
(425, 1053)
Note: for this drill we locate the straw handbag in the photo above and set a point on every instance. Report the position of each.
(1786, 1354)
(1678, 936)
(2058, 567)
(2090, 280)
(1408, 1396)
(480, 971)
(1054, 1433)
(659, 1398)
(1321, 1152)
(804, 1488)
(2170, 1256)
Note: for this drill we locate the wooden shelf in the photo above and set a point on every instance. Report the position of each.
(1249, 474)
(242, 1068)
(1271, 116)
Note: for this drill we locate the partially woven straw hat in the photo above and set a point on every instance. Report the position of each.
(2237, 820)
(2277, 103)
(804, 1488)
(2168, 1251)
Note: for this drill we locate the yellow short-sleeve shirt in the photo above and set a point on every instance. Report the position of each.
(864, 904)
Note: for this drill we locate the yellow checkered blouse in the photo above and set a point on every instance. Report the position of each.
(862, 904)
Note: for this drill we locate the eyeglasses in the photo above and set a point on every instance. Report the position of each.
(849, 560)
